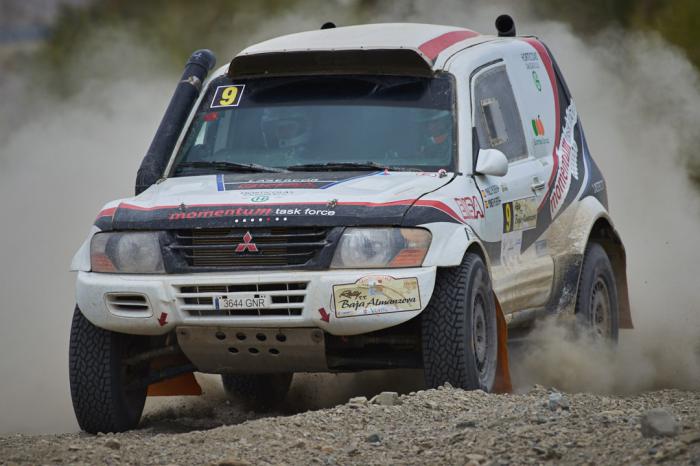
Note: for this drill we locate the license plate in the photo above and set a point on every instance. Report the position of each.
(242, 301)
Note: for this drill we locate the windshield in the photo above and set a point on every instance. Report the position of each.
(321, 122)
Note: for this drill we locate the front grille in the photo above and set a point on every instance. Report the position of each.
(286, 299)
(259, 247)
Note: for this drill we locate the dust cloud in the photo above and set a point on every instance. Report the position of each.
(60, 161)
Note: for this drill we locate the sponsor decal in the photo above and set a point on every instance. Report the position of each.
(470, 208)
(536, 80)
(259, 198)
(269, 194)
(163, 319)
(227, 96)
(531, 60)
(490, 190)
(520, 214)
(377, 294)
(598, 186)
(511, 243)
(492, 202)
(325, 316)
(247, 244)
(567, 153)
(232, 212)
(537, 126)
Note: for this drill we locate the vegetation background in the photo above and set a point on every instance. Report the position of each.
(172, 29)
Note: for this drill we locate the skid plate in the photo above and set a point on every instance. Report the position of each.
(225, 350)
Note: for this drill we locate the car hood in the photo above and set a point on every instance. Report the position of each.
(274, 199)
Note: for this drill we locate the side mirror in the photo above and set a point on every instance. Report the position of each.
(491, 162)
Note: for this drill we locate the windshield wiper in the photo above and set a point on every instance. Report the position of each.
(230, 166)
(330, 166)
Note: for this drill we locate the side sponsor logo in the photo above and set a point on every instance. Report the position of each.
(537, 126)
(520, 214)
(531, 60)
(536, 80)
(567, 153)
(470, 208)
(598, 186)
(376, 294)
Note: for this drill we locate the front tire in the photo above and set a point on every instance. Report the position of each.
(261, 391)
(98, 379)
(459, 328)
(596, 304)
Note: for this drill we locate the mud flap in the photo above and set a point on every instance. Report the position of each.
(181, 385)
(502, 383)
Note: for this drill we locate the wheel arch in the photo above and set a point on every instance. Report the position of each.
(590, 221)
(604, 233)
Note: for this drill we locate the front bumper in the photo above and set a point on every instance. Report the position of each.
(157, 304)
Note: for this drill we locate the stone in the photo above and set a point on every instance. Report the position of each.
(374, 438)
(557, 401)
(113, 443)
(475, 458)
(466, 424)
(386, 399)
(233, 462)
(358, 400)
(658, 422)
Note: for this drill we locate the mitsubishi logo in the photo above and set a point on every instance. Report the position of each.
(246, 245)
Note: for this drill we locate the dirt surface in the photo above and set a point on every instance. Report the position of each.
(443, 426)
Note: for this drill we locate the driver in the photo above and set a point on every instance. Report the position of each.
(286, 128)
(436, 141)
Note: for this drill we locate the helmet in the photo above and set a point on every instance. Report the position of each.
(437, 126)
(285, 128)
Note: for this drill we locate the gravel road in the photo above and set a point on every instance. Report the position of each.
(443, 426)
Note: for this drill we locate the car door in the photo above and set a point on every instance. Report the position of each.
(522, 276)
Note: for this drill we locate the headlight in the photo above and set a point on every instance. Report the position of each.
(370, 248)
(126, 253)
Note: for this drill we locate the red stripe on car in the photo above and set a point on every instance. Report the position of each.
(434, 47)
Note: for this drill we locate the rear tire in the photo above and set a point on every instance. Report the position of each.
(262, 391)
(596, 304)
(459, 328)
(98, 378)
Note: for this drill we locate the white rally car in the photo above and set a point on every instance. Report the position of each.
(365, 197)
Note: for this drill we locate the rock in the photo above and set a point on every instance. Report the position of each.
(475, 458)
(465, 424)
(233, 462)
(658, 422)
(374, 438)
(113, 443)
(386, 399)
(690, 437)
(74, 447)
(358, 400)
(557, 401)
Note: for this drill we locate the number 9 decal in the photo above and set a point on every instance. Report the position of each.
(227, 96)
(507, 217)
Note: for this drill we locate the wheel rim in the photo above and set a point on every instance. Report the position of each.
(600, 307)
(480, 335)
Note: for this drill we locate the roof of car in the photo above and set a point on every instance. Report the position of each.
(431, 43)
